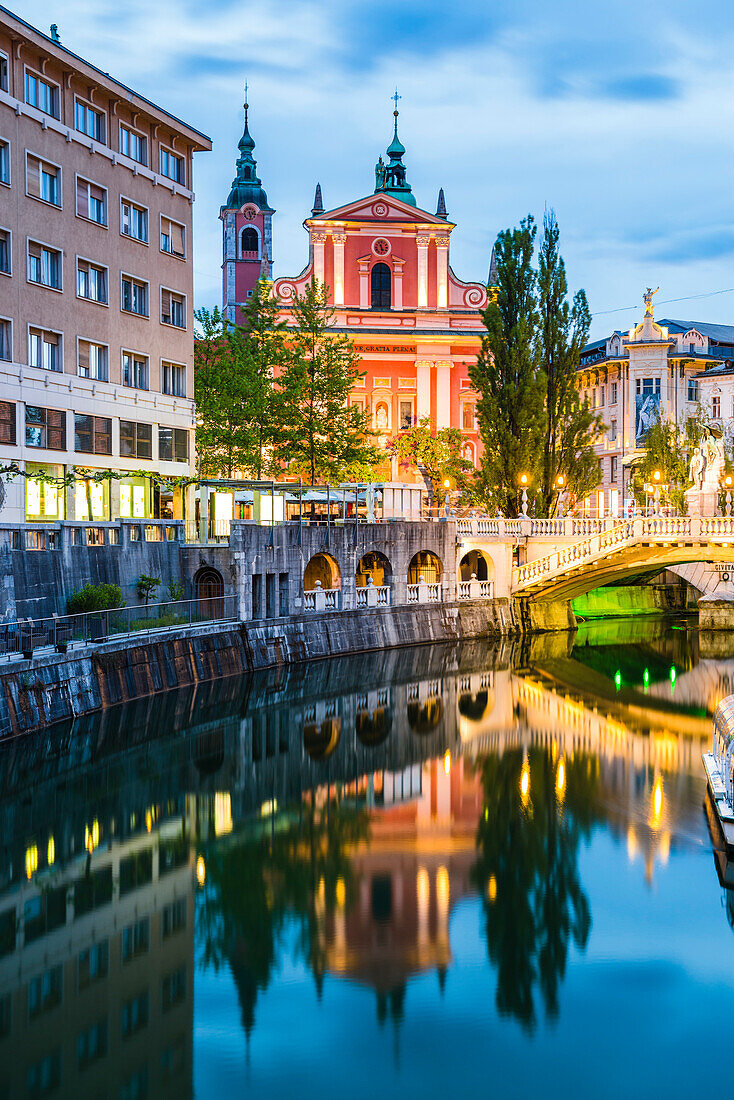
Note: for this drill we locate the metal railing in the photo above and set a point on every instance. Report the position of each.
(65, 631)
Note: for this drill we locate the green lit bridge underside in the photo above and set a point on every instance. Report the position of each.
(633, 549)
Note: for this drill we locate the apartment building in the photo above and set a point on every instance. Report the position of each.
(668, 368)
(96, 281)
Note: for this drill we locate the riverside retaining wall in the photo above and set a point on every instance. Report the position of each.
(54, 687)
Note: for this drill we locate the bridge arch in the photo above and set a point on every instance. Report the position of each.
(427, 565)
(324, 568)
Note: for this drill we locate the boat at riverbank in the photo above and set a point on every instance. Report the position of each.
(719, 767)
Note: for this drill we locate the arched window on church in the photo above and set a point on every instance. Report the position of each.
(381, 286)
(249, 241)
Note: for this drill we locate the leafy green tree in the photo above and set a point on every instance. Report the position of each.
(571, 428)
(507, 376)
(147, 586)
(437, 455)
(668, 450)
(322, 437)
(262, 353)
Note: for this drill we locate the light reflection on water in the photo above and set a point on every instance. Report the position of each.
(459, 868)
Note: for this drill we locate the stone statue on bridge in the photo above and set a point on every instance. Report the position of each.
(705, 470)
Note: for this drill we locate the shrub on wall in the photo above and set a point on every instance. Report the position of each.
(94, 597)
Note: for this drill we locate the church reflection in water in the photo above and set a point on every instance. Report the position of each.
(358, 802)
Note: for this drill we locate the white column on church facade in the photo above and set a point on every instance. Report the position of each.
(318, 240)
(364, 282)
(423, 388)
(339, 240)
(397, 283)
(443, 393)
(422, 243)
(442, 270)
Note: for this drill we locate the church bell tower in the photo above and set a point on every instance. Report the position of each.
(247, 235)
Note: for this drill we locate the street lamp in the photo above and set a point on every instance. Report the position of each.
(656, 477)
(524, 481)
(560, 506)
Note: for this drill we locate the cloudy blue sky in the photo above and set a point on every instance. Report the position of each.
(618, 114)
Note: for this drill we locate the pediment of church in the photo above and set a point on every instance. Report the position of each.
(380, 207)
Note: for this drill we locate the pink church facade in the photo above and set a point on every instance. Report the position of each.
(416, 325)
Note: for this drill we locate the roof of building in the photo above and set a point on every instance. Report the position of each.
(723, 334)
(54, 45)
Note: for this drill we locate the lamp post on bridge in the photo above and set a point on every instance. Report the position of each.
(524, 481)
(560, 482)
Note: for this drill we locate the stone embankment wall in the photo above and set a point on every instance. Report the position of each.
(60, 686)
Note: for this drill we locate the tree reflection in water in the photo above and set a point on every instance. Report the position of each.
(537, 808)
(297, 867)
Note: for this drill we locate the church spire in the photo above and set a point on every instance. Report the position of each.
(441, 205)
(390, 177)
(318, 202)
(246, 186)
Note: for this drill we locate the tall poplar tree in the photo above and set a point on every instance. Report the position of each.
(507, 376)
(322, 437)
(571, 427)
(262, 355)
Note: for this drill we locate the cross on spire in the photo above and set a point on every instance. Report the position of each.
(396, 97)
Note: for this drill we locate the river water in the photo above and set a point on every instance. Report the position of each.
(464, 870)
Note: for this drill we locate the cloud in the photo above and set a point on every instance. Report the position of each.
(646, 86)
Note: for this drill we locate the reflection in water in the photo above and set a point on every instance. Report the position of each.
(415, 824)
(537, 809)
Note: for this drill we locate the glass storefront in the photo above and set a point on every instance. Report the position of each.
(44, 500)
(95, 493)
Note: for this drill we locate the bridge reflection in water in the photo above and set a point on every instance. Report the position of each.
(349, 807)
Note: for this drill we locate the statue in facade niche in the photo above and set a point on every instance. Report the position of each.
(380, 175)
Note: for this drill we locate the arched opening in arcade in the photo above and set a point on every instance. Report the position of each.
(376, 566)
(324, 569)
(373, 726)
(209, 588)
(381, 286)
(478, 563)
(425, 717)
(473, 704)
(426, 565)
(321, 738)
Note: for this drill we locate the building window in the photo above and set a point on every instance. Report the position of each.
(172, 166)
(173, 445)
(613, 400)
(173, 308)
(467, 417)
(4, 72)
(92, 891)
(91, 201)
(91, 1045)
(134, 1015)
(172, 238)
(249, 244)
(92, 361)
(134, 296)
(613, 469)
(601, 396)
(613, 431)
(7, 422)
(133, 145)
(41, 94)
(44, 349)
(43, 180)
(135, 939)
(647, 385)
(44, 913)
(93, 964)
(716, 407)
(5, 252)
(6, 340)
(44, 265)
(135, 370)
(693, 389)
(91, 282)
(92, 434)
(5, 162)
(44, 992)
(406, 415)
(45, 1076)
(173, 989)
(88, 120)
(174, 379)
(380, 286)
(45, 428)
(136, 440)
(133, 221)
(174, 918)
